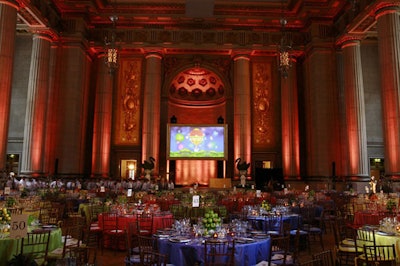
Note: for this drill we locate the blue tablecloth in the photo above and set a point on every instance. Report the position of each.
(318, 209)
(186, 254)
(261, 222)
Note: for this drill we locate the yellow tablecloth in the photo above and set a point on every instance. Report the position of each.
(388, 240)
(10, 247)
(384, 239)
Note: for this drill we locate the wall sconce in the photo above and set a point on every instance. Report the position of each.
(220, 120)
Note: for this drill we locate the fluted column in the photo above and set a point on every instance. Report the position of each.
(151, 108)
(8, 21)
(290, 125)
(102, 121)
(388, 25)
(358, 165)
(242, 108)
(35, 119)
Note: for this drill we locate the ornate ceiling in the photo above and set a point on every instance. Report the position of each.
(238, 23)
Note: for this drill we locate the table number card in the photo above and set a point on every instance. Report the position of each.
(7, 191)
(196, 201)
(129, 194)
(19, 226)
(102, 189)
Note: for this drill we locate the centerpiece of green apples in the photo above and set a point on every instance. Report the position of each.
(211, 220)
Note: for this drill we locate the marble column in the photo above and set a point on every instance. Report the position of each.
(242, 108)
(102, 120)
(290, 125)
(71, 147)
(8, 21)
(151, 109)
(35, 119)
(321, 121)
(388, 26)
(358, 165)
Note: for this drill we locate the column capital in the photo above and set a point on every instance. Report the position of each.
(11, 3)
(154, 54)
(242, 56)
(45, 34)
(348, 40)
(386, 8)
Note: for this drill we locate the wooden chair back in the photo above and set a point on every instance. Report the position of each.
(36, 245)
(219, 252)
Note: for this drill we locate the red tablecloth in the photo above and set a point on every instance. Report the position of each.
(123, 221)
(362, 218)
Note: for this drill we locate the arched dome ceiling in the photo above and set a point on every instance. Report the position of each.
(197, 86)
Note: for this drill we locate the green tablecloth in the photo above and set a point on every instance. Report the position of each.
(84, 209)
(10, 247)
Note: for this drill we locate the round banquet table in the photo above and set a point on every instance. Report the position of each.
(186, 254)
(382, 238)
(10, 246)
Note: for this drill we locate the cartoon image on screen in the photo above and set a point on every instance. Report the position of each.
(197, 141)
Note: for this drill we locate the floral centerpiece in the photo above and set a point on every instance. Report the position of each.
(391, 206)
(10, 202)
(311, 194)
(265, 205)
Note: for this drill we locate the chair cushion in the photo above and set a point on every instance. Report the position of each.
(344, 248)
(132, 259)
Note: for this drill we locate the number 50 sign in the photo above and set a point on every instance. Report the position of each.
(19, 226)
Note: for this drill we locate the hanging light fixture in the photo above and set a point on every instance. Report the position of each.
(284, 49)
(111, 49)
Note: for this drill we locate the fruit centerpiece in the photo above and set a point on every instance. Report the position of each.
(265, 205)
(5, 219)
(211, 221)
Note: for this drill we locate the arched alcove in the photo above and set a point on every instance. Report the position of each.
(196, 95)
